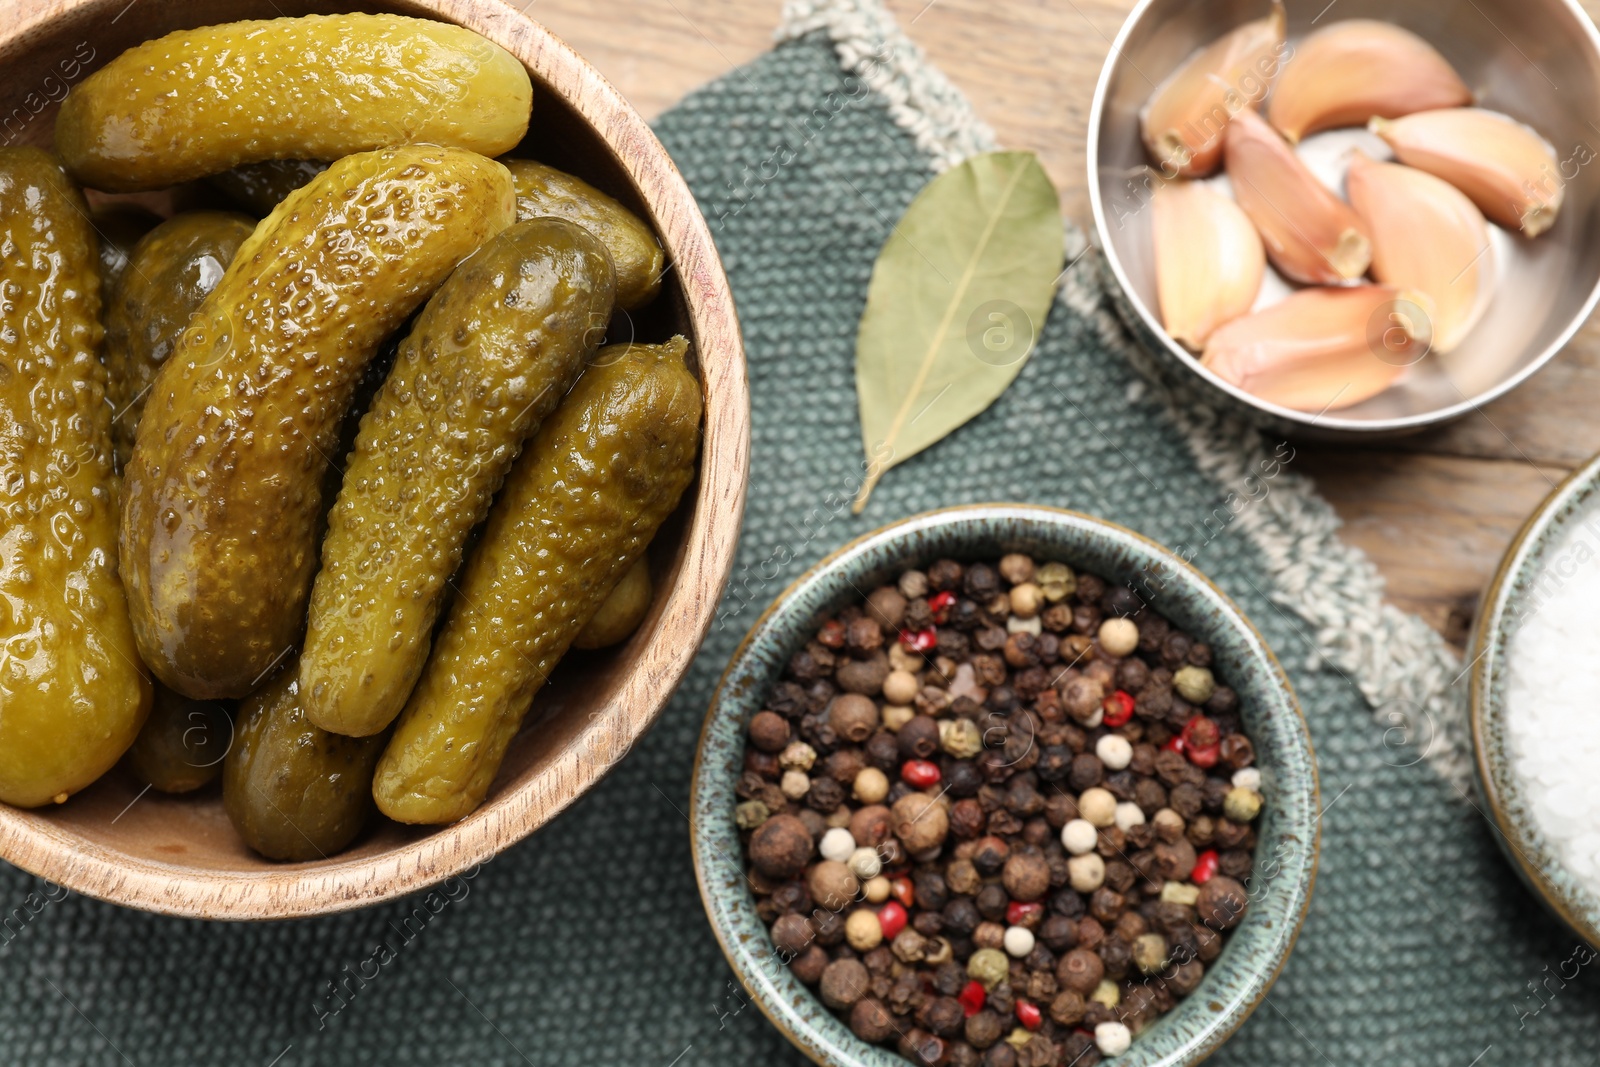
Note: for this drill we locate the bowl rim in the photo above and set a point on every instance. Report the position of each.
(817, 1047)
(1324, 422)
(323, 887)
(1485, 708)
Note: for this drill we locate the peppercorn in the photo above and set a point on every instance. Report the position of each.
(992, 902)
(780, 847)
(990, 855)
(1222, 903)
(883, 751)
(844, 982)
(809, 965)
(961, 916)
(944, 574)
(920, 822)
(1185, 978)
(825, 794)
(1241, 805)
(791, 933)
(769, 731)
(1080, 971)
(1026, 876)
(1186, 800)
(941, 1015)
(1086, 772)
(870, 825)
(1086, 872)
(930, 889)
(1058, 933)
(1229, 834)
(865, 676)
(1175, 860)
(831, 884)
(1224, 701)
(919, 738)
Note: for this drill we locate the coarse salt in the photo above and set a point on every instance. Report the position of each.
(1552, 691)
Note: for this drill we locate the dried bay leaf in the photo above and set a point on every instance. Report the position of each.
(957, 297)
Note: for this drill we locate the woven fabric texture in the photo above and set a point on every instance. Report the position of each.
(587, 944)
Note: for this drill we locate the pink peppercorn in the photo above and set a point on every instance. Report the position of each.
(972, 998)
(891, 919)
(919, 773)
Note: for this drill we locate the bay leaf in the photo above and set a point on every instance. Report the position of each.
(958, 296)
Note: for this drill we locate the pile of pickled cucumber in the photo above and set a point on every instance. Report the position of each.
(315, 502)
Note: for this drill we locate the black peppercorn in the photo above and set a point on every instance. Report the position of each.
(927, 923)
(1067, 903)
(990, 855)
(1086, 619)
(1212, 794)
(919, 737)
(883, 751)
(942, 1015)
(1185, 799)
(792, 897)
(945, 574)
(1086, 772)
(1058, 933)
(1237, 751)
(1055, 762)
(966, 616)
(1119, 600)
(809, 965)
(992, 901)
(930, 889)
(1175, 650)
(864, 636)
(981, 582)
(792, 934)
(961, 916)
(825, 795)
(922, 1048)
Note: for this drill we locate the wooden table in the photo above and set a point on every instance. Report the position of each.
(1434, 511)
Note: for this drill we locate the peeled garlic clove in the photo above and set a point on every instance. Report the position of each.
(1209, 260)
(1507, 169)
(1323, 349)
(1184, 120)
(1426, 236)
(1311, 235)
(1347, 72)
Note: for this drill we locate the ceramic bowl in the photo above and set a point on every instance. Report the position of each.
(1537, 60)
(1288, 834)
(1517, 591)
(179, 855)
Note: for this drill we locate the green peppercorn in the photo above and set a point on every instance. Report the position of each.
(990, 966)
(1150, 953)
(1057, 581)
(1241, 805)
(1194, 684)
(750, 814)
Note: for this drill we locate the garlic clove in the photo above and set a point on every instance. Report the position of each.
(1209, 260)
(1323, 349)
(1183, 122)
(1507, 169)
(1427, 236)
(1310, 234)
(1347, 72)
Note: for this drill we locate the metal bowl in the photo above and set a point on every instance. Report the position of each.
(1536, 60)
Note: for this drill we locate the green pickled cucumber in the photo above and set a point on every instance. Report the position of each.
(490, 357)
(72, 691)
(260, 187)
(170, 273)
(292, 791)
(224, 494)
(578, 508)
(199, 102)
(543, 190)
(622, 611)
(120, 229)
(182, 743)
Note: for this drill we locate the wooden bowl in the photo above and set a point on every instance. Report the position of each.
(179, 855)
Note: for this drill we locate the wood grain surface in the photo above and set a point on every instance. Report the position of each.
(1435, 511)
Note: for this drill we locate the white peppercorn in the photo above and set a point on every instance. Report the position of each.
(1098, 806)
(1018, 941)
(871, 785)
(1079, 836)
(837, 845)
(863, 930)
(900, 687)
(864, 863)
(1086, 872)
(1119, 637)
(1112, 1038)
(797, 756)
(896, 716)
(795, 784)
(1129, 815)
(1248, 778)
(1114, 751)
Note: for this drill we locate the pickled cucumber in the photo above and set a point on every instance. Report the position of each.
(578, 508)
(199, 102)
(223, 495)
(182, 744)
(295, 792)
(490, 357)
(260, 187)
(72, 692)
(170, 273)
(622, 611)
(120, 228)
(543, 190)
